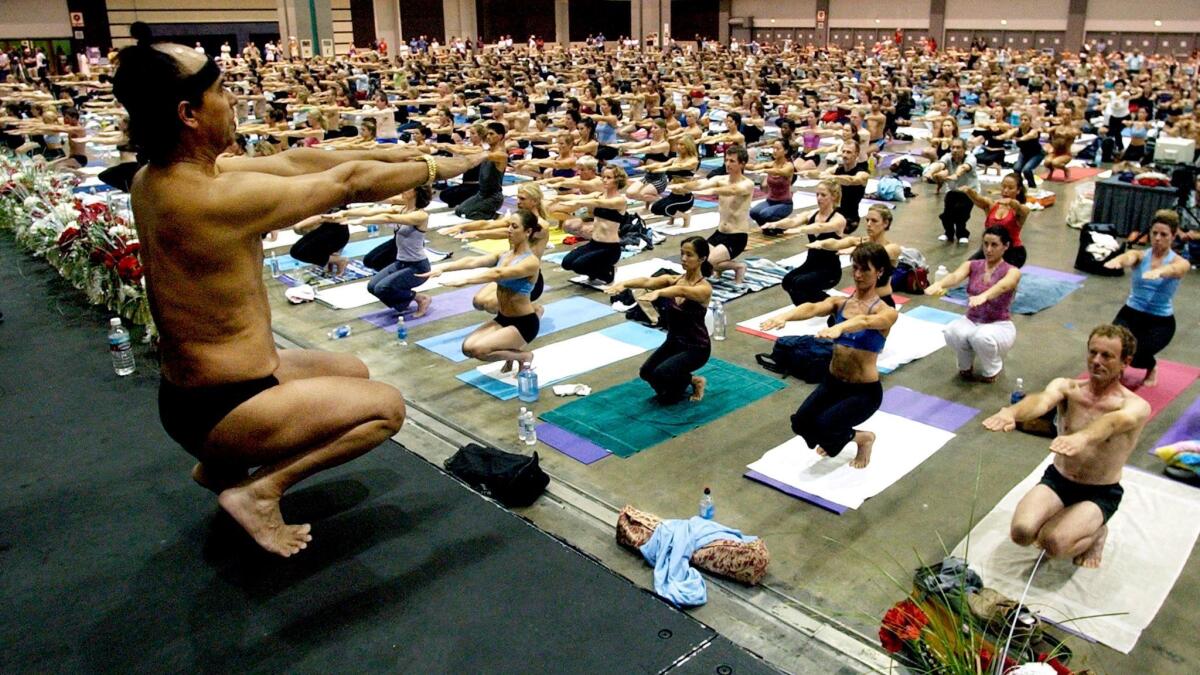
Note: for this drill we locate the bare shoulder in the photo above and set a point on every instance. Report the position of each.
(1134, 405)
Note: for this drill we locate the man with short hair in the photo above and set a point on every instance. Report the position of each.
(1099, 421)
(733, 191)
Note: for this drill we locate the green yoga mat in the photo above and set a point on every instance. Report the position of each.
(626, 419)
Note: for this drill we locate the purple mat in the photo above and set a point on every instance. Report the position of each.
(444, 305)
(1057, 275)
(576, 447)
(926, 409)
(801, 494)
(1186, 428)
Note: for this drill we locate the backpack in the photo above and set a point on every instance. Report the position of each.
(635, 233)
(802, 356)
(906, 168)
(911, 274)
(513, 480)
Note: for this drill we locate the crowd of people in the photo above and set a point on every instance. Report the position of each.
(227, 154)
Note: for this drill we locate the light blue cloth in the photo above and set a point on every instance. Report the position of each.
(670, 551)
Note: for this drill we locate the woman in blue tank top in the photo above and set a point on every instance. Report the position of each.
(515, 272)
(1149, 313)
(851, 393)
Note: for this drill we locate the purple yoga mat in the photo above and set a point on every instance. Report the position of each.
(576, 447)
(1186, 428)
(801, 494)
(926, 409)
(444, 305)
(1057, 275)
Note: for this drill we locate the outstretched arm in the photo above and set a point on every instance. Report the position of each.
(1131, 416)
(882, 319)
(800, 312)
(1008, 283)
(300, 161)
(938, 288)
(1031, 407)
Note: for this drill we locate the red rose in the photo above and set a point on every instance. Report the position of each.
(914, 614)
(129, 268)
(68, 236)
(889, 641)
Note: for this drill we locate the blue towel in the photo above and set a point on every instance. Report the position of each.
(1034, 293)
(670, 551)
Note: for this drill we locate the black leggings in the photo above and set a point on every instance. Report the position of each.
(381, 256)
(596, 259)
(1015, 256)
(827, 417)
(315, 247)
(956, 214)
(809, 283)
(1153, 334)
(669, 369)
(673, 204)
(457, 194)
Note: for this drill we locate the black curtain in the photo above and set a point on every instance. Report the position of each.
(589, 17)
(694, 17)
(518, 18)
(421, 17)
(362, 19)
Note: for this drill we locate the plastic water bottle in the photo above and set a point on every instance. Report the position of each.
(706, 505)
(372, 229)
(527, 383)
(1018, 393)
(522, 428)
(940, 274)
(718, 328)
(401, 332)
(274, 262)
(340, 332)
(120, 347)
(530, 429)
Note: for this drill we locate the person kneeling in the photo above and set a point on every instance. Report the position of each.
(851, 393)
(683, 303)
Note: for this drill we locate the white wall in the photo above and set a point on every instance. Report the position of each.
(878, 13)
(1177, 16)
(34, 19)
(786, 13)
(1020, 14)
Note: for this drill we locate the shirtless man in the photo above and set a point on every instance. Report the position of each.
(734, 192)
(1066, 514)
(1061, 139)
(227, 395)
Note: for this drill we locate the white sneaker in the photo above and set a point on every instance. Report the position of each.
(964, 240)
(942, 237)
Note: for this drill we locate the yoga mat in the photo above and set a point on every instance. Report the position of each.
(1186, 428)
(1035, 292)
(438, 221)
(443, 305)
(354, 249)
(288, 237)
(559, 315)
(568, 359)
(926, 409)
(642, 268)
(1149, 540)
(346, 296)
(557, 257)
(1077, 174)
(900, 446)
(915, 335)
(625, 419)
(1173, 379)
(577, 448)
(501, 245)
(698, 223)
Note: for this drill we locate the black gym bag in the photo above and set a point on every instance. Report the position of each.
(513, 480)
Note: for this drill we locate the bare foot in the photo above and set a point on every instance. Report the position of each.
(423, 302)
(508, 366)
(217, 480)
(865, 441)
(1091, 557)
(260, 517)
(1151, 379)
(698, 384)
(821, 451)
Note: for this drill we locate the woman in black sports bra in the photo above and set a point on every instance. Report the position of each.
(598, 258)
(681, 302)
(821, 270)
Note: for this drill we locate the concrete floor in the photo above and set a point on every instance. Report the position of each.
(822, 563)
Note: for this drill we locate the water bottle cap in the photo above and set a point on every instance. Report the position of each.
(707, 491)
(522, 410)
(115, 321)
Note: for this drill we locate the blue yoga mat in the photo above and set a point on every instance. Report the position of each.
(630, 333)
(1034, 293)
(926, 313)
(558, 316)
(354, 249)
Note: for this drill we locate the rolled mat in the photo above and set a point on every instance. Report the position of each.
(627, 419)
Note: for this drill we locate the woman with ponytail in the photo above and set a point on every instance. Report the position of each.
(227, 395)
(681, 302)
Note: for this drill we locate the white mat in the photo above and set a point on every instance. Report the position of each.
(910, 339)
(632, 271)
(445, 219)
(289, 237)
(915, 132)
(900, 446)
(1150, 539)
(699, 223)
(567, 359)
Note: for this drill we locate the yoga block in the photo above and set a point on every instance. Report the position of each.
(744, 562)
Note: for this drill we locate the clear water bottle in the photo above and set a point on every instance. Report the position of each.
(940, 274)
(527, 383)
(718, 328)
(706, 505)
(120, 347)
(530, 428)
(340, 332)
(372, 229)
(274, 262)
(401, 332)
(1018, 393)
(522, 429)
